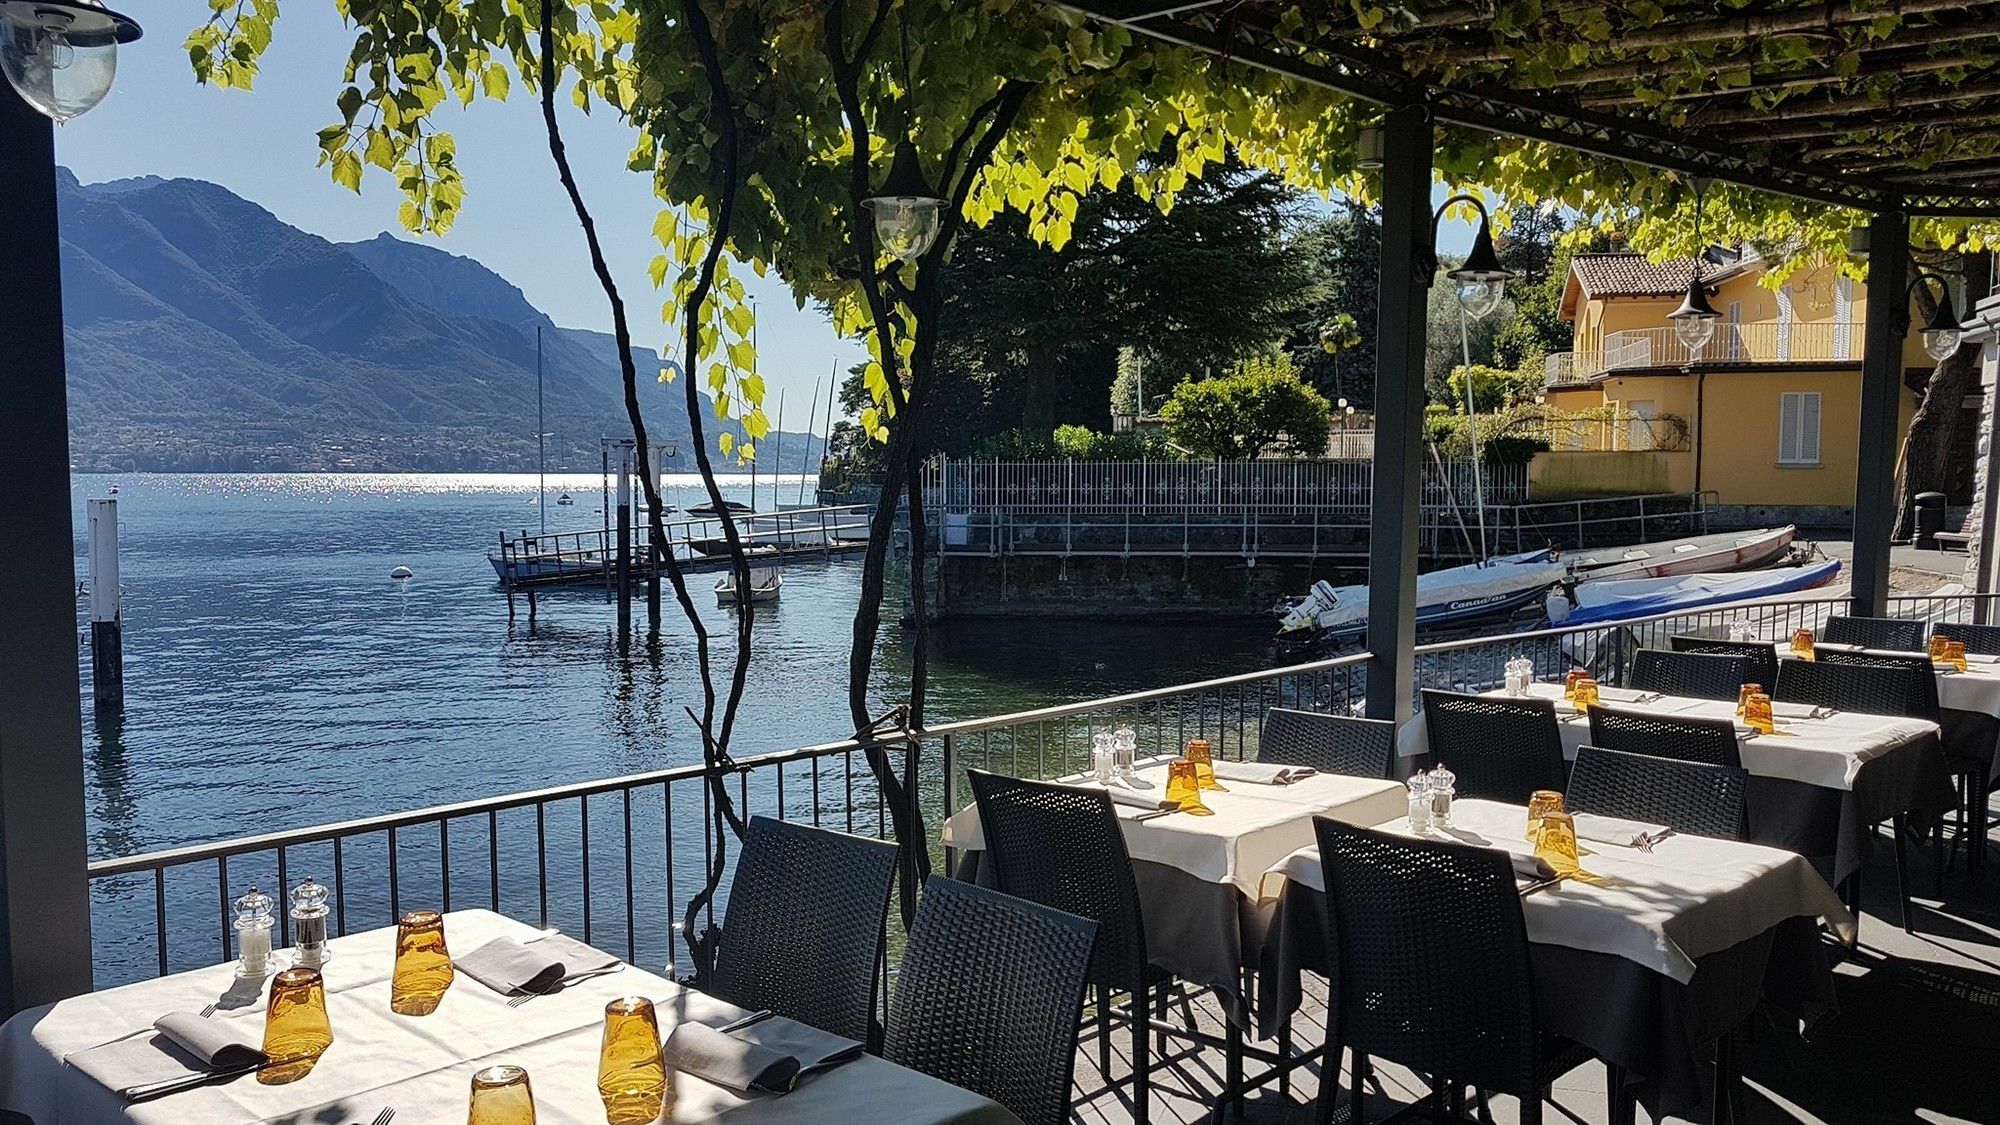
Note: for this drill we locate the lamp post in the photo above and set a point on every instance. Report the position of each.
(60, 57)
(1942, 330)
(1482, 281)
(1694, 321)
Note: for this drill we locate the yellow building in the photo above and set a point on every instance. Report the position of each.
(1766, 417)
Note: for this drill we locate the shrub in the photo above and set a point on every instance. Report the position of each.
(1261, 406)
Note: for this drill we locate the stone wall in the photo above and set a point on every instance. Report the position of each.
(1031, 586)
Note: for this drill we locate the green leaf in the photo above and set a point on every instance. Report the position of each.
(347, 171)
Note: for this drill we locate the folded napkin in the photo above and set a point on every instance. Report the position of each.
(1612, 829)
(1262, 773)
(182, 1050)
(1623, 695)
(1981, 658)
(1531, 866)
(1130, 799)
(771, 1055)
(1796, 710)
(508, 966)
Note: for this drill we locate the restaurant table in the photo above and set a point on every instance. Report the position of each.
(1647, 966)
(423, 1065)
(1198, 875)
(1817, 785)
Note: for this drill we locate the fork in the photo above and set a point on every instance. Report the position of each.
(1644, 841)
(387, 1115)
(523, 998)
(208, 1011)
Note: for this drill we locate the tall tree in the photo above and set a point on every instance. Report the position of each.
(1343, 247)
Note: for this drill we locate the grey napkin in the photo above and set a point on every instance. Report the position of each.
(815, 1050)
(507, 966)
(183, 1050)
(1612, 829)
(734, 1064)
(1139, 800)
(1532, 867)
(1262, 773)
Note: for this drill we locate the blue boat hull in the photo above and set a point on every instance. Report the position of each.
(1655, 597)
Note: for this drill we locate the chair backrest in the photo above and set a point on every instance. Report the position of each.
(803, 931)
(1900, 634)
(1060, 845)
(1845, 686)
(1705, 800)
(1432, 956)
(1916, 674)
(1984, 639)
(1328, 743)
(1697, 675)
(1681, 737)
(989, 997)
(1502, 749)
(1762, 655)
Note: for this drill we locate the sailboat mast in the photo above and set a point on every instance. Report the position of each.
(805, 455)
(541, 435)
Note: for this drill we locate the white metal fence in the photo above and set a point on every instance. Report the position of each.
(1824, 341)
(1199, 487)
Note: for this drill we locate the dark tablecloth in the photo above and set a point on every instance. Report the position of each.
(1661, 1031)
(1832, 827)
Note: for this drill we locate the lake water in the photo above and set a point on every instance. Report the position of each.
(276, 677)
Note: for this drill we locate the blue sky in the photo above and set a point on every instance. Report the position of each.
(261, 145)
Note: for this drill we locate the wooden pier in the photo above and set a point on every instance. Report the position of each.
(530, 560)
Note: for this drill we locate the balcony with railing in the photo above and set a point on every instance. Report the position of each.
(1769, 342)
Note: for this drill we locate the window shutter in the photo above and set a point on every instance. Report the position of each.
(1785, 323)
(1788, 427)
(1843, 315)
(1809, 427)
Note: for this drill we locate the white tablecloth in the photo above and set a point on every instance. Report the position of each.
(1827, 752)
(423, 1065)
(1690, 897)
(1976, 689)
(1254, 826)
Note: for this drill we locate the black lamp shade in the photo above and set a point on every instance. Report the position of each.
(906, 175)
(1482, 263)
(1695, 305)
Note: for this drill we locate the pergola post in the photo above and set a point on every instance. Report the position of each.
(44, 888)
(1395, 511)
(1881, 395)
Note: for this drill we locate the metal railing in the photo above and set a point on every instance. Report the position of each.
(1194, 487)
(532, 557)
(1821, 341)
(615, 861)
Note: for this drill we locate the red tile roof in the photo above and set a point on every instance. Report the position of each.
(1627, 274)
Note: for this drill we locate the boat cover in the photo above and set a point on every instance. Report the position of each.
(1622, 599)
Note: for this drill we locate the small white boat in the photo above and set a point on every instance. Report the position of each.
(1623, 599)
(1456, 595)
(1700, 554)
(765, 582)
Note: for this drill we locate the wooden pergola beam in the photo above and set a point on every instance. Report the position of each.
(1921, 64)
(1972, 28)
(1748, 27)
(1886, 108)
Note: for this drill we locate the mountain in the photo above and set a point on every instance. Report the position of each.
(206, 334)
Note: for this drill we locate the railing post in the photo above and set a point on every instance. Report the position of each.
(1881, 394)
(1401, 300)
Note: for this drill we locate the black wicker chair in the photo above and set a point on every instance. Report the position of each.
(1328, 743)
(1762, 655)
(1984, 639)
(1696, 675)
(989, 997)
(1060, 845)
(1870, 684)
(1705, 800)
(1502, 749)
(803, 932)
(1431, 969)
(1708, 741)
(1898, 634)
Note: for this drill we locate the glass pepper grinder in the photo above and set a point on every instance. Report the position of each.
(1103, 759)
(1420, 802)
(1442, 782)
(309, 923)
(1126, 741)
(253, 934)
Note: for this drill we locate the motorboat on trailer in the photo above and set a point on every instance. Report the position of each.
(1499, 588)
(1622, 599)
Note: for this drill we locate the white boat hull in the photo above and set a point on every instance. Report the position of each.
(765, 584)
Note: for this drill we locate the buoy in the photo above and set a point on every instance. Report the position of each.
(401, 573)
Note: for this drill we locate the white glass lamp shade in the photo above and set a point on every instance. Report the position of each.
(1941, 342)
(1694, 332)
(906, 226)
(61, 56)
(1479, 297)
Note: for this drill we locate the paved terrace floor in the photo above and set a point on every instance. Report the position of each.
(1917, 1037)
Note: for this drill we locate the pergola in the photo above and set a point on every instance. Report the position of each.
(1901, 121)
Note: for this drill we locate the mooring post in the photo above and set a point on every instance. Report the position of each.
(107, 627)
(624, 575)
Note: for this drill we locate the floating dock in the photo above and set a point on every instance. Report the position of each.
(532, 560)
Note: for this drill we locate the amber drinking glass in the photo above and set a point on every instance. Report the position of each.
(1575, 676)
(1802, 644)
(296, 1031)
(1184, 786)
(423, 965)
(1938, 646)
(1743, 695)
(631, 1076)
(1586, 694)
(1954, 654)
(501, 1096)
(1540, 804)
(1203, 756)
(1555, 844)
(1757, 713)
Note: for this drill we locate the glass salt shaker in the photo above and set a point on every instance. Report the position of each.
(1740, 631)
(1103, 756)
(253, 934)
(1420, 802)
(1442, 783)
(1126, 741)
